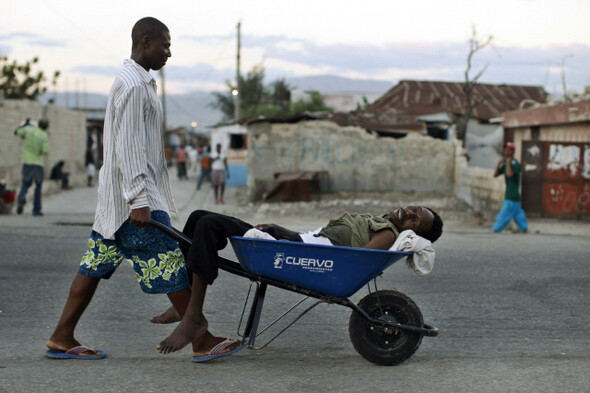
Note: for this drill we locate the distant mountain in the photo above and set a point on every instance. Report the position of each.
(338, 84)
(183, 109)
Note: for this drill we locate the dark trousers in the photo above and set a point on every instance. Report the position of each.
(209, 232)
(32, 173)
(205, 173)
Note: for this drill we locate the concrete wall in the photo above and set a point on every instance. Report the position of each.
(354, 159)
(478, 186)
(67, 141)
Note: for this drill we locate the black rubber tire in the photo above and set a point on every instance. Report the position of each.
(377, 344)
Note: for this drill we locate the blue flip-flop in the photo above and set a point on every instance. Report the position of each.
(216, 351)
(75, 353)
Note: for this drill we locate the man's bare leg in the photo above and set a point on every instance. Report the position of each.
(193, 327)
(81, 293)
(168, 316)
(206, 341)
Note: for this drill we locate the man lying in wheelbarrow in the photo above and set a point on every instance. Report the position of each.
(210, 232)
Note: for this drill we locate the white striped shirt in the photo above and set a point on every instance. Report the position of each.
(134, 172)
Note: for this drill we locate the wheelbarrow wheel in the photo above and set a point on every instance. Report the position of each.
(385, 346)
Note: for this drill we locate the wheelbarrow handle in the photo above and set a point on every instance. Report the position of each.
(172, 232)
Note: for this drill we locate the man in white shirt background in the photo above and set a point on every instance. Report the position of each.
(219, 172)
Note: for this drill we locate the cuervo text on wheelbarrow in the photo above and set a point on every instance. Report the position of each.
(312, 264)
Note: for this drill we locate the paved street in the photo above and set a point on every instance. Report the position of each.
(512, 312)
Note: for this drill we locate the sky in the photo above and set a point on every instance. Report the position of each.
(542, 43)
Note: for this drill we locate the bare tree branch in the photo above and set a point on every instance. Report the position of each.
(471, 101)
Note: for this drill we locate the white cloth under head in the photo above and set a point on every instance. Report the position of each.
(258, 234)
(310, 238)
(422, 259)
(307, 237)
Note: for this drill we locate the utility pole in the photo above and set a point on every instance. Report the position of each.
(565, 95)
(238, 92)
(163, 101)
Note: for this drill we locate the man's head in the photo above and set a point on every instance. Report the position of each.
(218, 147)
(422, 220)
(151, 43)
(44, 124)
(509, 149)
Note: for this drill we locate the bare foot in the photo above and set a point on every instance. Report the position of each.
(168, 316)
(188, 331)
(61, 345)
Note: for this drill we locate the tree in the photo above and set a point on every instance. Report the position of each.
(471, 100)
(364, 105)
(251, 90)
(315, 103)
(257, 100)
(19, 81)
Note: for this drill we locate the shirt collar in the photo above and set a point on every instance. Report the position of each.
(144, 75)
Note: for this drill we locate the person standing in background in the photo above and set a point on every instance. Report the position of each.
(181, 163)
(205, 167)
(219, 170)
(36, 145)
(90, 165)
(511, 208)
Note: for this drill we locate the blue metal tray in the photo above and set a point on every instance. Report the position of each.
(333, 270)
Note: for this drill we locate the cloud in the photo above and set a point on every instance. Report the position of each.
(432, 61)
(200, 72)
(96, 70)
(31, 39)
(285, 57)
(16, 35)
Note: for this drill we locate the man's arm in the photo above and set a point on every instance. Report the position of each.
(382, 240)
(27, 122)
(497, 171)
(509, 170)
(265, 227)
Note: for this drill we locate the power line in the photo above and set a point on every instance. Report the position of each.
(88, 36)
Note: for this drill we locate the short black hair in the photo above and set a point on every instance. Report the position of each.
(147, 27)
(43, 124)
(436, 229)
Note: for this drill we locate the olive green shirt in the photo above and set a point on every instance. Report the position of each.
(354, 230)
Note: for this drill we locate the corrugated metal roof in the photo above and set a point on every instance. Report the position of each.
(412, 98)
(572, 112)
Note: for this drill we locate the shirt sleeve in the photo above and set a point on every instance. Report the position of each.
(130, 150)
(377, 224)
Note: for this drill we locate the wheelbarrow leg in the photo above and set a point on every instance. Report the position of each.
(255, 313)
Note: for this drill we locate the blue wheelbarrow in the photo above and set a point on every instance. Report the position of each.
(385, 327)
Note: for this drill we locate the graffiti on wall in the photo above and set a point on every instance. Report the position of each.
(331, 151)
(586, 163)
(564, 158)
(323, 151)
(561, 198)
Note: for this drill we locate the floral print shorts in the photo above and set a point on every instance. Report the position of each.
(156, 259)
